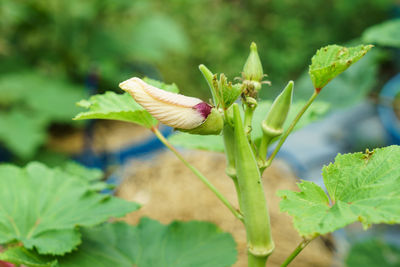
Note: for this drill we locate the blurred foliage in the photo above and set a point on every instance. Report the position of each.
(373, 253)
(287, 33)
(50, 49)
(384, 34)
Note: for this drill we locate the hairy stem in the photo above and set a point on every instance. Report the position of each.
(198, 174)
(290, 129)
(296, 252)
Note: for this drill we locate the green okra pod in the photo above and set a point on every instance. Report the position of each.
(253, 202)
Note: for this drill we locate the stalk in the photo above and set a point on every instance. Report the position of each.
(198, 174)
(254, 206)
(296, 252)
(229, 143)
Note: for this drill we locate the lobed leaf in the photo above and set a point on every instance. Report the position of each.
(361, 187)
(41, 207)
(120, 107)
(149, 244)
(332, 60)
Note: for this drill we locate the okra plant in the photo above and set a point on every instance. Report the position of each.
(363, 187)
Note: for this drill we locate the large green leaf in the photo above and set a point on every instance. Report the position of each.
(21, 132)
(41, 207)
(385, 34)
(373, 253)
(332, 60)
(179, 244)
(121, 107)
(361, 187)
(216, 143)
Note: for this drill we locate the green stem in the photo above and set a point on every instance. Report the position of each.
(229, 143)
(263, 149)
(254, 205)
(248, 117)
(255, 261)
(198, 174)
(296, 252)
(290, 129)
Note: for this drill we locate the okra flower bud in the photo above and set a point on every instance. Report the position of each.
(182, 112)
(253, 70)
(252, 74)
(273, 124)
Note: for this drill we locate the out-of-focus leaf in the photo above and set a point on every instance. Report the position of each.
(22, 256)
(121, 107)
(361, 187)
(51, 98)
(179, 244)
(80, 171)
(155, 36)
(167, 87)
(384, 34)
(41, 207)
(195, 141)
(330, 61)
(373, 253)
(22, 133)
(216, 143)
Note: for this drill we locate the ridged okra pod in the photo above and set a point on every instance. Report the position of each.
(253, 202)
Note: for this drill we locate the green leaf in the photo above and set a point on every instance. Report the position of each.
(78, 170)
(332, 60)
(120, 107)
(361, 187)
(21, 132)
(112, 106)
(373, 253)
(350, 87)
(41, 207)
(179, 244)
(384, 34)
(216, 143)
(22, 256)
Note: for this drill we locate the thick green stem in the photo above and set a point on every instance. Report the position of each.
(290, 129)
(229, 142)
(296, 252)
(256, 261)
(248, 117)
(198, 174)
(254, 205)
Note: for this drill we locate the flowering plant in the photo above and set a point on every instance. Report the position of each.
(360, 187)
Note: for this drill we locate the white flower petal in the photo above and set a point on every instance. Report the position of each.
(169, 108)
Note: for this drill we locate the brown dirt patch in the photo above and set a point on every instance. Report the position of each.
(108, 136)
(169, 191)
